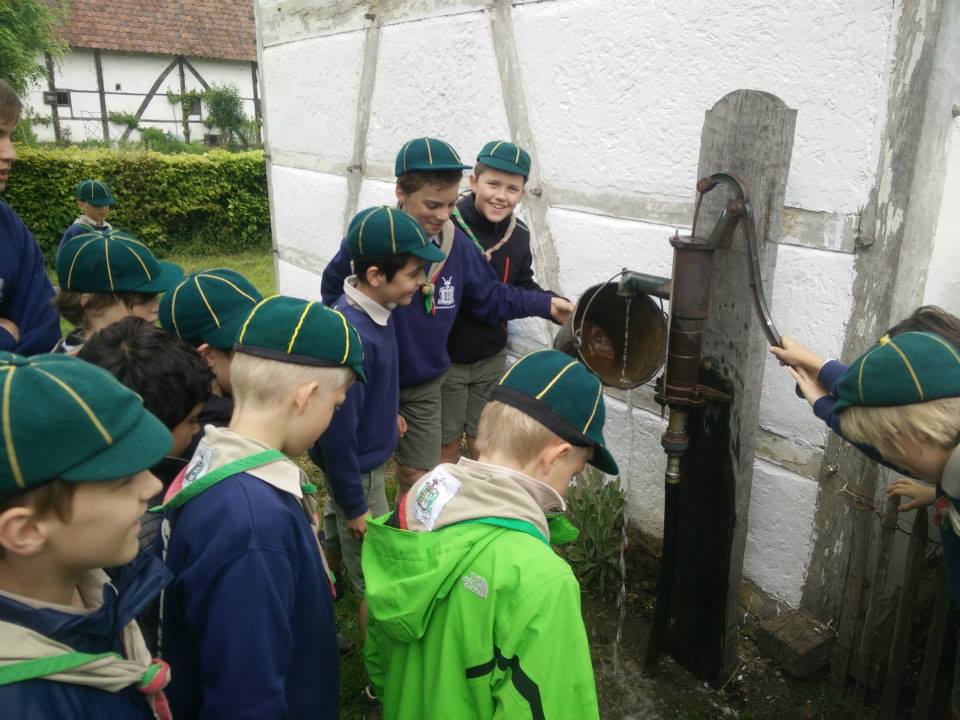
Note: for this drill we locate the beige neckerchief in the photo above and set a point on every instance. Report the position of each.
(446, 245)
(87, 220)
(545, 496)
(374, 310)
(220, 446)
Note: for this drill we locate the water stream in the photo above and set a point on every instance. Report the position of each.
(625, 356)
(625, 470)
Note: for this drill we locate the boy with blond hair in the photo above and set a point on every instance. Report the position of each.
(248, 619)
(472, 614)
(68, 644)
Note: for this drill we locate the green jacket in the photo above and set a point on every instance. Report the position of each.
(474, 616)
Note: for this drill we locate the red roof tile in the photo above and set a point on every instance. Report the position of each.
(221, 29)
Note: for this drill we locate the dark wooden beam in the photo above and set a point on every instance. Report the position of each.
(52, 87)
(104, 120)
(150, 95)
(196, 74)
(183, 108)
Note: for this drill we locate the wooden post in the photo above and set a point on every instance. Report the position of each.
(255, 84)
(52, 87)
(104, 120)
(183, 108)
(749, 134)
(932, 654)
(150, 95)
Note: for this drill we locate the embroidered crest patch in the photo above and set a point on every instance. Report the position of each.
(438, 488)
(199, 464)
(445, 294)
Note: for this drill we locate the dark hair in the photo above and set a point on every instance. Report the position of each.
(10, 103)
(932, 319)
(168, 374)
(389, 265)
(73, 307)
(479, 168)
(415, 180)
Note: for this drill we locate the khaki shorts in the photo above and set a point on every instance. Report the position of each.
(420, 407)
(466, 388)
(335, 534)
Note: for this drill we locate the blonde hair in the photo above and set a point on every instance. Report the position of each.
(505, 430)
(886, 428)
(262, 381)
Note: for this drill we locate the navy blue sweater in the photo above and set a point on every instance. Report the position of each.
(248, 620)
(132, 588)
(363, 433)
(466, 284)
(25, 291)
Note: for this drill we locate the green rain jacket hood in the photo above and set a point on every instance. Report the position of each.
(472, 614)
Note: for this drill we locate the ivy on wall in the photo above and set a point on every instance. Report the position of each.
(213, 203)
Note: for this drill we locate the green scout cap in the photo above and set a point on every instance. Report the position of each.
(506, 156)
(95, 192)
(427, 154)
(380, 231)
(301, 332)
(910, 368)
(89, 426)
(110, 261)
(209, 306)
(564, 396)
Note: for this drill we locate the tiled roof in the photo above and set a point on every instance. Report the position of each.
(196, 28)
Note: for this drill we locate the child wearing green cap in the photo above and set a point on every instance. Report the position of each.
(389, 250)
(68, 647)
(428, 177)
(248, 620)
(206, 310)
(105, 277)
(94, 200)
(478, 350)
(472, 613)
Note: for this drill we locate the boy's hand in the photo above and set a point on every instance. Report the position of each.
(561, 309)
(921, 495)
(358, 526)
(807, 382)
(796, 355)
(11, 327)
(401, 425)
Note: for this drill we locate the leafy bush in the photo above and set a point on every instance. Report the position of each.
(213, 203)
(596, 507)
(164, 142)
(124, 119)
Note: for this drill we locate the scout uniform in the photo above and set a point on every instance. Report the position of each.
(96, 193)
(464, 280)
(472, 614)
(478, 350)
(248, 619)
(58, 661)
(209, 306)
(363, 434)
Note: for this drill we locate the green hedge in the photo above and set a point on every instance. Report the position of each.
(214, 203)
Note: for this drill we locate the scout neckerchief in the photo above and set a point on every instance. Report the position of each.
(91, 224)
(488, 253)
(433, 273)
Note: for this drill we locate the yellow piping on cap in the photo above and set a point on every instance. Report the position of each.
(106, 255)
(555, 379)
(346, 335)
(948, 346)
(515, 366)
(256, 309)
(429, 151)
(363, 224)
(516, 160)
(406, 146)
(493, 151)
(296, 330)
(596, 404)
(203, 297)
(906, 361)
(173, 307)
(142, 264)
(393, 238)
(8, 432)
(74, 261)
(208, 276)
(83, 405)
(456, 155)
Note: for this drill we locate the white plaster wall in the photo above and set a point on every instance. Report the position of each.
(297, 282)
(307, 222)
(943, 282)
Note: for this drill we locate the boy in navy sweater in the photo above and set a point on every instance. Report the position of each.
(94, 200)
(28, 323)
(478, 350)
(388, 249)
(428, 178)
(69, 646)
(248, 619)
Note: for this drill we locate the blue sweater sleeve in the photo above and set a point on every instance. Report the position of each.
(829, 375)
(491, 301)
(339, 447)
(242, 617)
(337, 270)
(27, 295)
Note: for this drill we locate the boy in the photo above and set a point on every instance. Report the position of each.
(472, 614)
(388, 249)
(68, 647)
(28, 323)
(206, 309)
(428, 182)
(105, 277)
(478, 350)
(248, 619)
(94, 200)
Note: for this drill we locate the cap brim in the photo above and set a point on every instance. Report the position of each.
(225, 336)
(166, 279)
(438, 166)
(102, 203)
(602, 460)
(428, 252)
(503, 165)
(144, 445)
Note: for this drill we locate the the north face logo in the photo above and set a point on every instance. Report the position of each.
(475, 584)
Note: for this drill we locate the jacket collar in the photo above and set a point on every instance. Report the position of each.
(548, 499)
(374, 310)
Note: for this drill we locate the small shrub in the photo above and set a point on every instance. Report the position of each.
(124, 119)
(596, 506)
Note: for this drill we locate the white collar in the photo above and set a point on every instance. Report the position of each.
(374, 310)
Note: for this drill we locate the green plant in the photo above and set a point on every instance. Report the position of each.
(124, 119)
(225, 111)
(596, 506)
(214, 203)
(184, 100)
(28, 29)
(164, 142)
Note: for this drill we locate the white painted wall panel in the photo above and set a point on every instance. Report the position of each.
(943, 283)
(293, 280)
(308, 221)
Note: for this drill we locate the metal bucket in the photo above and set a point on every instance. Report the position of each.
(605, 324)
